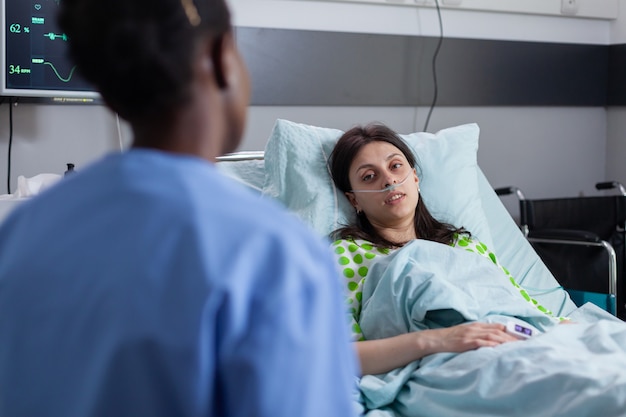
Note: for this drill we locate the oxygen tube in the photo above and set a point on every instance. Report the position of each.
(386, 189)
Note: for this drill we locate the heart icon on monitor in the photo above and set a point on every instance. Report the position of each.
(37, 6)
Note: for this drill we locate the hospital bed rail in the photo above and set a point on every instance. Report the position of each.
(241, 156)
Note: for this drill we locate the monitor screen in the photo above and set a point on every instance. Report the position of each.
(34, 54)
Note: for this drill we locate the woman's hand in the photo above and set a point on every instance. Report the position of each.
(384, 355)
(464, 337)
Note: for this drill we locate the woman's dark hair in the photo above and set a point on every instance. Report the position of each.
(138, 53)
(346, 149)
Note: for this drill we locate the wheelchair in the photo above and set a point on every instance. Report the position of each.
(581, 241)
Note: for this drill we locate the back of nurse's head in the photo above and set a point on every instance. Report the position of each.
(351, 142)
(139, 53)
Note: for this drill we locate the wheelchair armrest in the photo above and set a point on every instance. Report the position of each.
(565, 234)
(609, 185)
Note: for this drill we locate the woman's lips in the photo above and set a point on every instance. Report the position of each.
(393, 198)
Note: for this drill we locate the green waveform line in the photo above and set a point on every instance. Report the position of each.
(65, 80)
(53, 36)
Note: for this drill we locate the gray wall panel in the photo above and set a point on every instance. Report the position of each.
(299, 67)
(617, 75)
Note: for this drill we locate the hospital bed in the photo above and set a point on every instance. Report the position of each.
(569, 370)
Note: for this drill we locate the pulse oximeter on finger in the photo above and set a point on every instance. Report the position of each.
(519, 331)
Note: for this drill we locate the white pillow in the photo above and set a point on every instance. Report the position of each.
(297, 174)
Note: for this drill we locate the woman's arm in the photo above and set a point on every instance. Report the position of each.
(384, 355)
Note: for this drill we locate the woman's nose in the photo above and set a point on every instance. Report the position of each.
(388, 181)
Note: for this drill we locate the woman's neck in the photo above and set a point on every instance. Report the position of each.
(399, 235)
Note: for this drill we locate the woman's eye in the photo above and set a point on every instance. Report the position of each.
(396, 165)
(368, 177)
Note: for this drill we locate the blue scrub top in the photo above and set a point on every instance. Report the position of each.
(151, 285)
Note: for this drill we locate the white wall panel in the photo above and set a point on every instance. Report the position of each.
(618, 26)
(391, 19)
(596, 9)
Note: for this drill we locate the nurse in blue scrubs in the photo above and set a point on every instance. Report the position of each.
(148, 284)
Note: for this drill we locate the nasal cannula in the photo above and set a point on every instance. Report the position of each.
(388, 188)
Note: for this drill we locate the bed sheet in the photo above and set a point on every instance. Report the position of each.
(569, 369)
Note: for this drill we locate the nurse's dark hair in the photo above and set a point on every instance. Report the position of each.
(138, 53)
(344, 152)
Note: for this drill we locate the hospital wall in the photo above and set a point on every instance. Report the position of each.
(545, 150)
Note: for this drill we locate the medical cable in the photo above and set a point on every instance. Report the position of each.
(10, 146)
(434, 66)
(119, 132)
(386, 189)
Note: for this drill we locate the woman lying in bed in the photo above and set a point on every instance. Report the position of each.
(376, 170)
(430, 313)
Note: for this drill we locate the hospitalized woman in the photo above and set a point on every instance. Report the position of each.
(377, 172)
(148, 283)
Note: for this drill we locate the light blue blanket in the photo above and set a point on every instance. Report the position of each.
(574, 369)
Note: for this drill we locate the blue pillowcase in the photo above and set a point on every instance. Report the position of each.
(297, 174)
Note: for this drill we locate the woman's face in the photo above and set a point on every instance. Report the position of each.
(376, 166)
